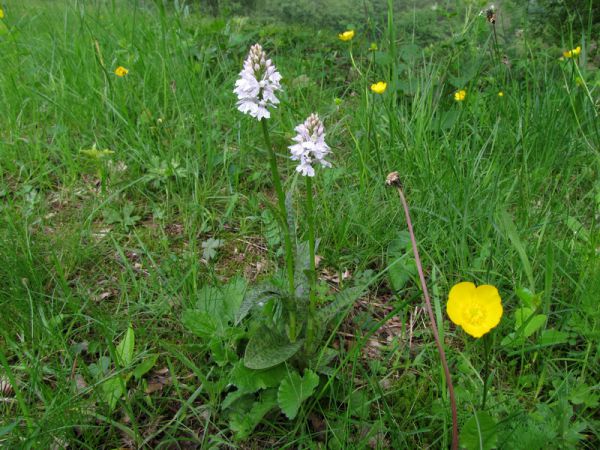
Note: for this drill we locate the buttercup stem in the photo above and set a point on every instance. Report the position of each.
(353, 62)
(486, 368)
(289, 255)
(434, 329)
(311, 256)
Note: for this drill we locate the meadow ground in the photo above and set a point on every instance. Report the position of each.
(128, 201)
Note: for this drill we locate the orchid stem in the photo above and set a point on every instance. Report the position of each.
(311, 257)
(289, 254)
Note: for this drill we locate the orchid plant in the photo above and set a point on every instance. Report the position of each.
(268, 337)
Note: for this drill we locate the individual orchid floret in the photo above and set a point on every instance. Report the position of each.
(310, 146)
(258, 82)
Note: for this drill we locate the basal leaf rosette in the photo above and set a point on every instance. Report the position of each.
(475, 309)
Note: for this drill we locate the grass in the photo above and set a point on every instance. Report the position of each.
(503, 190)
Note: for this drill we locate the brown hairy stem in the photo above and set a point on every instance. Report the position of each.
(394, 180)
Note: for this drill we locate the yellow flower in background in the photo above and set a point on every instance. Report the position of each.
(579, 81)
(121, 71)
(1, 13)
(379, 87)
(572, 53)
(346, 35)
(373, 47)
(459, 96)
(475, 309)
(500, 94)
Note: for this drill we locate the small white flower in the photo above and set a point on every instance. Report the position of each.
(310, 146)
(258, 82)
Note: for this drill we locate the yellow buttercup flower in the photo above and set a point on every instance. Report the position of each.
(121, 71)
(572, 53)
(346, 35)
(459, 96)
(476, 309)
(379, 87)
(500, 94)
(1, 13)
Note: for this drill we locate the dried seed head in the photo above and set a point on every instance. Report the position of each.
(393, 179)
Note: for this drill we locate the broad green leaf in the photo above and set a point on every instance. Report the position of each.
(267, 348)
(359, 404)
(408, 86)
(521, 316)
(255, 297)
(528, 298)
(527, 323)
(322, 360)
(553, 337)
(341, 301)
(271, 229)
(382, 58)
(401, 263)
(144, 367)
(479, 432)
(401, 270)
(409, 52)
(578, 229)
(512, 340)
(583, 394)
(294, 390)
(222, 302)
(302, 267)
(447, 119)
(112, 390)
(232, 398)
(222, 352)
(202, 324)
(125, 348)
(243, 422)
(250, 380)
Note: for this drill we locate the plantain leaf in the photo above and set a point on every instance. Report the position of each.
(479, 432)
(125, 348)
(111, 391)
(145, 366)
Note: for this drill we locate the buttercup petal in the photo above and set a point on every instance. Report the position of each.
(487, 294)
(460, 295)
